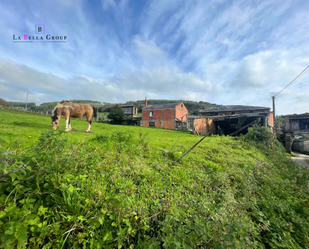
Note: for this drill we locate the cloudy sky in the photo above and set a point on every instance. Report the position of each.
(220, 51)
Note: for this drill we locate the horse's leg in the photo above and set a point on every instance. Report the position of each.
(89, 123)
(67, 120)
(69, 123)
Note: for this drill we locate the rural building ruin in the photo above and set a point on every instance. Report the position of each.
(297, 123)
(296, 127)
(232, 119)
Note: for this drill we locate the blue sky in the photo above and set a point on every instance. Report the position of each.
(223, 52)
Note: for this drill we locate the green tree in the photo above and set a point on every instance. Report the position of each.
(4, 103)
(116, 114)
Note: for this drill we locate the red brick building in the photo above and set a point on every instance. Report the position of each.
(171, 116)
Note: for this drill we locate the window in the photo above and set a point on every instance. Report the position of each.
(150, 114)
(181, 105)
(151, 124)
(179, 124)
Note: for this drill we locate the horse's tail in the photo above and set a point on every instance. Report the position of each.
(95, 113)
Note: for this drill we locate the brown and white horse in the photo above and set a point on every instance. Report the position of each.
(69, 109)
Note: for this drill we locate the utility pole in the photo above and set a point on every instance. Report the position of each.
(274, 114)
(26, 100)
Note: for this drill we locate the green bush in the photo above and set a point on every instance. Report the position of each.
(123, 193)
(117, 115)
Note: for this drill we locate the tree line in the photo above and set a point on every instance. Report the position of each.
(193, 106)
(47, 106)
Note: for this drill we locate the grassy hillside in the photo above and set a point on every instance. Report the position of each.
(123, 187)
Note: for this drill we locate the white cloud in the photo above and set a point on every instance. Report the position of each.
(224, 52)
(17, 80)
(166, 81)
(106, 4)
(169, 82)
(149, 51)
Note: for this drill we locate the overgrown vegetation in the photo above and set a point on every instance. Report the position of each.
(123, 188)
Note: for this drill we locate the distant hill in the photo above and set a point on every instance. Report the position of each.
(22, 104)
(193, 106)
(47, 106)
(4, 103)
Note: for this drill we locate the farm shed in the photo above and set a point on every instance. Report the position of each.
(230, 118)
(297, 123)
(171, 116)
(130, 110)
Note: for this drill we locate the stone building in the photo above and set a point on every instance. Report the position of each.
(296, 128)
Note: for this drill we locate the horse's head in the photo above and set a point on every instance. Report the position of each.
(55, 123)
(55, 119)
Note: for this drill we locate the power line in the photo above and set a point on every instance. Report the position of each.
(292, 80)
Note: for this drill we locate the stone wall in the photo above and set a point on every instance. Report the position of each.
(301, 145)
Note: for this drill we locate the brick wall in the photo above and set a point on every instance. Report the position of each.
(165, 118)
(212, 126)
(168, 114)
(271, 119)
(157, 114)
(181, 112)
(168, 125)
(157, 123)
(200, 126)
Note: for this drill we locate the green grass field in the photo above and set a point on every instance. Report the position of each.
(123, 187)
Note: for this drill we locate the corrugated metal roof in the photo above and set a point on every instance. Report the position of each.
(162, 106)
(297, 115)
(195, 117)
(232, 108)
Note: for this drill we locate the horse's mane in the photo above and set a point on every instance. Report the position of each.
(63, 101)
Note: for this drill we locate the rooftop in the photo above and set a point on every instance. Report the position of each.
(233, 108)
(297, 115)
(127, 106)
(162, 106)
